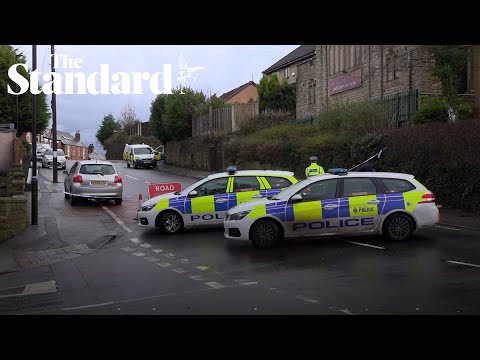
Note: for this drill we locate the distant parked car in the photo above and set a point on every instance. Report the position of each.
(41, 148)
(93, 179)
(47, 159)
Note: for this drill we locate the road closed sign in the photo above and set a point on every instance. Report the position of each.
(159, 189)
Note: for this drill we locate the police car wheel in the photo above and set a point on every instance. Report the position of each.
(398, 227)
(265, 234)
(171, 222)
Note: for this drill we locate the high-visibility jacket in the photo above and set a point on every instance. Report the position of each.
(314, 169)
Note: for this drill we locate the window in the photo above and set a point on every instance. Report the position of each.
(74, 168)
(312, 87)
(278, 182)
(358, 187)
(143, 151)
(393, 67)
(321, 190)
(103, 169)
(245, 183)
(393, 186)
(212, 187)
(286, 72)
(343, 57)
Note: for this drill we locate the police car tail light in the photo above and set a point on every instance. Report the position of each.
(77, 179)
(117, 179)
(427, 198)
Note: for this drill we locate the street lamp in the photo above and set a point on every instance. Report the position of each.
(16, 97)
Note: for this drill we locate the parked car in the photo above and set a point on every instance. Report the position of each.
(47, 159)
(139, 155)
(93, 179)
(41, 148)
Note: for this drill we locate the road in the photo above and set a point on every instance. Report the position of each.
(199, 272)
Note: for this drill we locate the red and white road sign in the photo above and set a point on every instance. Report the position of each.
(164, 188)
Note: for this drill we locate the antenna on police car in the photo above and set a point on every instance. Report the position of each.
(377, 155)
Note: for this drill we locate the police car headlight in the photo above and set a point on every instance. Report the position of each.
(147, 207)
(238, 216)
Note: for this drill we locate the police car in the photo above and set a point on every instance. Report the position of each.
(336, 203)
(205, 202)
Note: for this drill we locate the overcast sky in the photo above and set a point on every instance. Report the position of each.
(226, 67)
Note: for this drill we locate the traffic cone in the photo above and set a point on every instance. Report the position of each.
(140, 198)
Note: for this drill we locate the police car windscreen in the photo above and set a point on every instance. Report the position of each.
(143, 151)
(292, 189)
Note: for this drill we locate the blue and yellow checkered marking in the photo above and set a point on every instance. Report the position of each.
(223, 206)
(276, 209)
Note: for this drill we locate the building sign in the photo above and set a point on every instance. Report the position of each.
(164, 188)
(345, 82)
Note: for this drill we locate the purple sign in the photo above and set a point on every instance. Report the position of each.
(345, 82)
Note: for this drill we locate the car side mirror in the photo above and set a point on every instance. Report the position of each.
(296, 198)
(192, 193)
(65, 172)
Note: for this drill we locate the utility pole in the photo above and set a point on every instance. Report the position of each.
(54, 121)
(16, 97)
(34, 146)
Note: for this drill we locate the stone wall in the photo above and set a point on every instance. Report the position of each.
(13, 216)
(7, 137)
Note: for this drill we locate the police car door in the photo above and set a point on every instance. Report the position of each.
(243, 189)
(358, 205)
(209, 206)
(317, 211)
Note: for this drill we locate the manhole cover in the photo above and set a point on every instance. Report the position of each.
(44, 257)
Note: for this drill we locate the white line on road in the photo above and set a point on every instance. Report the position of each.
(138, 254)
(197, 277)
(133, 177)
(149, 258)
(164, 264)
(461, 226)
(127, 249)
(146, 245)
(157, 250)
(368, 245)
(135, 240)
(446, 227)
(346, 311)
(45, 287)
(184, 261)
(116, 218)
(250, 283)
(169, 255)
(462, 263)
(147, 182)
(180, 271)
(88, 306)
(301, 297)
(215, 285)
(202, 267)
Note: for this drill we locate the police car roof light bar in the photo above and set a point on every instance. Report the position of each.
(338, 171)
(231, 170)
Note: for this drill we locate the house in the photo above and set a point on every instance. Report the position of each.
(71, 145)
(340, 74)
(139, 128)
(286, 67)
(241, 95)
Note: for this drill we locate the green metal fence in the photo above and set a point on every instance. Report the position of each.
(401, 106)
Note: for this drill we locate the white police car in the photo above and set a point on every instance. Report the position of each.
(336, 203)
(205, 202)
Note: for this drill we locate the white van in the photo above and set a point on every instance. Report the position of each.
(139, 155)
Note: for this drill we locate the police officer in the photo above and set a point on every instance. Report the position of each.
(314, 168)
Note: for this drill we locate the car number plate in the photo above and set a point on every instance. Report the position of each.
(146, 161)
(98, 182)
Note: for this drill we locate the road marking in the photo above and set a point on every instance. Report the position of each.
(180, 271)
(169, 255)
(135, 240)
(461, 226)
(184, 261)
(446, 227)
(250, 283)
(157, 250)
(88, 306)
(146, 245)
(368, 245)
(116, 218)
(301, 297)
(164, 264)
(127, 249)
(202, 267)
(45, 287)
(346, 311)
(132, 177)
(147, 182)
(148, 258)
(462, 263)
(138, 254)
(215, 285)
(197, 277)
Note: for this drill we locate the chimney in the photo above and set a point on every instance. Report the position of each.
(90, 148)
(77, 135)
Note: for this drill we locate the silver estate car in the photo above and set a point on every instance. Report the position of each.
(93, 179)
(47, 159)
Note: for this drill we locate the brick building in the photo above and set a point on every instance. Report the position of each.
(71, 145)
(243, 94)
(286, 67)
(339, 74)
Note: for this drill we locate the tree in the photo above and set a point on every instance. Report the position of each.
(282, 97)
(157, 118)
(265, 87)
(180, 108)
(450, 60)
(7, 101)
(107, 128)
(128, 117)
(476, 79)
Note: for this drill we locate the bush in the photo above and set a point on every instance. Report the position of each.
(25, 146)
(358, 118)
(465, 111)
(262, 122)
(431, 109)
